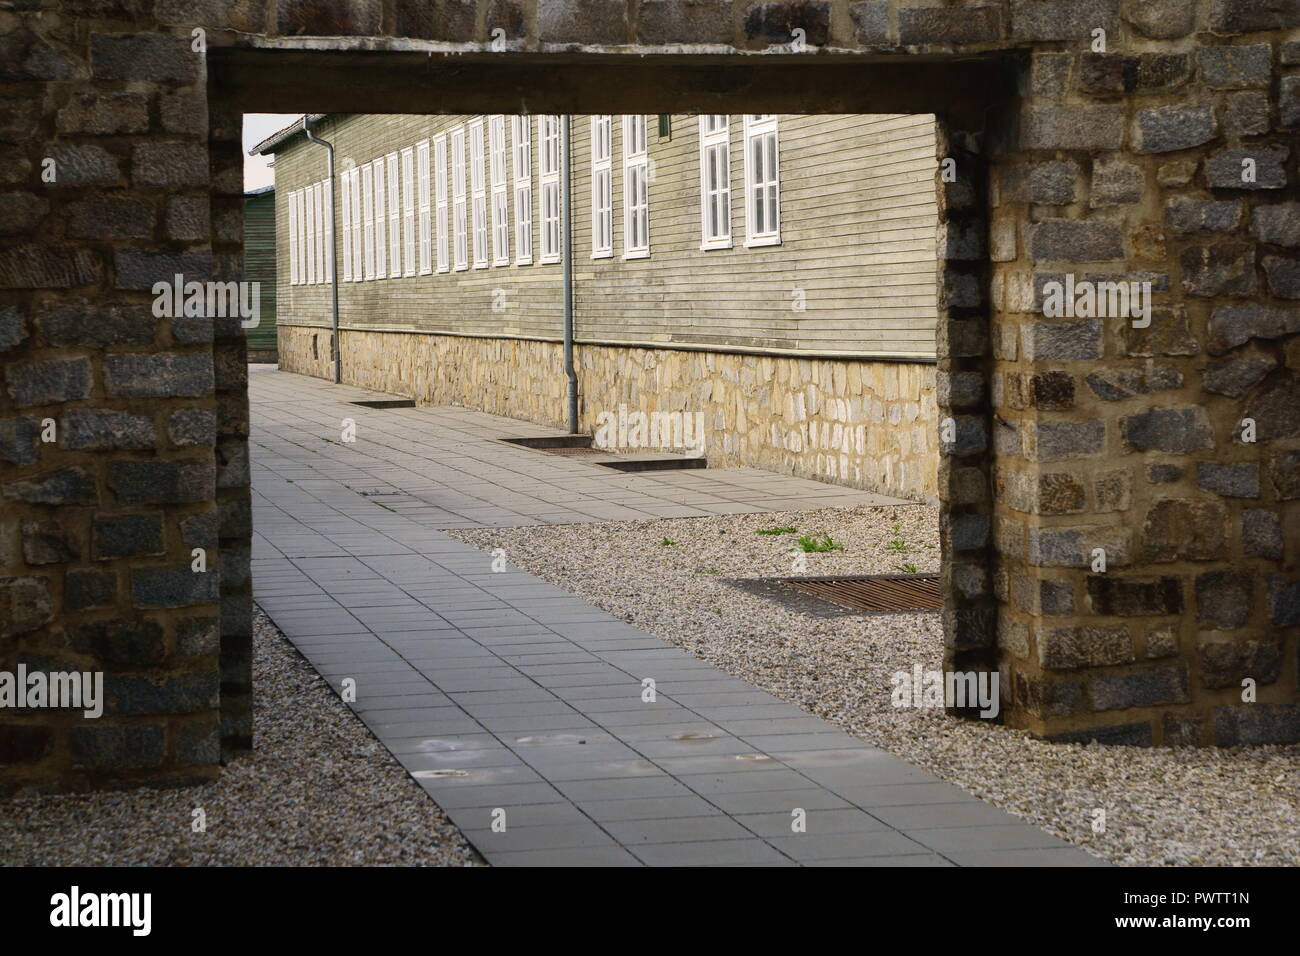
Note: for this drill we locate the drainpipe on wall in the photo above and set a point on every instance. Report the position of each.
(567, 250)
(334, 266)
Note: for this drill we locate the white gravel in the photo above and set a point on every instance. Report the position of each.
(317, 789)
(1163, 806)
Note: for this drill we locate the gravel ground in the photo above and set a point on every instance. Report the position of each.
(1163, 806)
(317, 789)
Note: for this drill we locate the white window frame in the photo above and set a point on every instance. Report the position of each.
(498, 157)
(318, 220)
(478, 192)
(311, 235)
(381, 221)
(408, 211)
(368, 219)
(459, 225)
(293, 238)
(394, 218)
(521, 164)
(715, 158)
(327, 209)
(636, 188)
(762, 127)
(357, 261)
(440, 201)
(345, 201)
(548, 197)
(422, 196)
(602, 187)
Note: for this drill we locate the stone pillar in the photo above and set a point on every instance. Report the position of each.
(108, 414)
(1168, 159)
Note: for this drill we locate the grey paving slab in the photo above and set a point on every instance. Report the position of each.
(509, 700)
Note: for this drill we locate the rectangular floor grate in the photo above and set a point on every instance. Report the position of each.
(387, 403)
(875, 592)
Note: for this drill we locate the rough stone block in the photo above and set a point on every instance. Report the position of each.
(1111, 596)
(1231, 481)
(1174, 430)
(1166, 129)
(104, 430)
(160, 374)
(1066, 648)
(162, 482)
(1182, 529)
(1164, 684)
(48, 383)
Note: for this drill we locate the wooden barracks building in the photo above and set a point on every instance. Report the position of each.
(775, 274)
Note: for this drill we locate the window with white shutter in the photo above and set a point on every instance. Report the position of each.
(478, 193)
(548, 136)
(368, 218)
(522, 154)
(408, 211)
(636, 188)
(440, 201)
(293, 238)
(345, 201)
(459, 226)
(426, 223)
(715, 182)
(394, 219)
(357, 260)
(381, 222)
(500, 198)
(602, 187)
(762, 181)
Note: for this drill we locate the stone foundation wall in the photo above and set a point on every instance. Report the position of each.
(865, 424)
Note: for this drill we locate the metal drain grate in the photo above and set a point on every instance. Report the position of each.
(572, 452)
(876, 592)
(387, 403)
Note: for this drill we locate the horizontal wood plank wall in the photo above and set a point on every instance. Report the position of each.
(858, 219)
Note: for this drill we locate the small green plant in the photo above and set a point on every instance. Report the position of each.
(907, 567)
(811, 544)
(667, 542)
(779, 529)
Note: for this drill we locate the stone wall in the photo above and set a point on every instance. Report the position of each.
(1127, 159)
(871, 425)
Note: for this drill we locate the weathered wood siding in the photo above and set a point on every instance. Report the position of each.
(858, 230)
(260, 262)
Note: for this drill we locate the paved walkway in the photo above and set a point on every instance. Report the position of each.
(510, 700)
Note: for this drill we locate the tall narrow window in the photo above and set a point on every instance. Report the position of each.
(327, 205)
(459, 227)
(381, 222)
(310, 232)
(500, 199)
(394, 219)
(345, 203)
(549, 174)
(478, 193)
(715, 182)
(426, 224)
(636, 189)
(408, 211)
(318, 213)
(357, 261)
(440, 200)
(368, 218)
(522, 138)
(293, 238)
(602, 187)
(762, 181)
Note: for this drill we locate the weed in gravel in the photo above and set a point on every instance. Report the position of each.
(667, 542)
(779, 529)
(812, 544)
